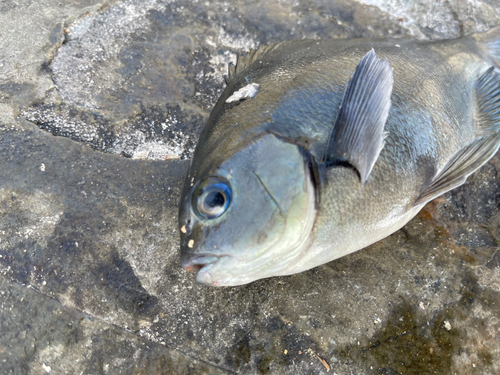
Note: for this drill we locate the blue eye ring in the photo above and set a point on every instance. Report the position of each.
(211, 197)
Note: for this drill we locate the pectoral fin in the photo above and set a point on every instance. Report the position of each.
(473, 156)
(358, 133)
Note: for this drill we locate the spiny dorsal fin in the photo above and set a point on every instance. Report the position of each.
(358, 134)
(242, 62)
(472, 157)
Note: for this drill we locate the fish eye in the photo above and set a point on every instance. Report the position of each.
(211, 198)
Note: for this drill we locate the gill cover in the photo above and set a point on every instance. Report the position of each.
(250, 217)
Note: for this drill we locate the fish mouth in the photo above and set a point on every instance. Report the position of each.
(197, 262)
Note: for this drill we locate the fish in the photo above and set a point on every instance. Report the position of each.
(319, 148)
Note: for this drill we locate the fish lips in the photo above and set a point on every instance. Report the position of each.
(195, 262)
(202, 264)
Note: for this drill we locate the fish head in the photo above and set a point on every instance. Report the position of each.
(249, 217)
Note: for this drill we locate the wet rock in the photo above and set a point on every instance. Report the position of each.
(93, 99)
(41, 336)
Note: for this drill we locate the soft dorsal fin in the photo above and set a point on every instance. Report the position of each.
(242, 62)
(358, 133)
(487, 90)
(472, 157)
(490, 41)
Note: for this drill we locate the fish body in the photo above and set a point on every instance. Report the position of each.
(339, 144)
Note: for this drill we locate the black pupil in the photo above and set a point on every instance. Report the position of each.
(214, 199)
(211, 198)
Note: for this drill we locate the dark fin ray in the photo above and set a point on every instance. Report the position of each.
(358, 134)
(464, 163)
(243, 62)
(487, 89)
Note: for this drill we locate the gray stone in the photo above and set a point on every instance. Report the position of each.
(93, 99)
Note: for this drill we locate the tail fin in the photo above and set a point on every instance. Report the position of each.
(490, 42)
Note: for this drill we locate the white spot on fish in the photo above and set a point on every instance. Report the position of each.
(183, 229)
(191, 244)
(249, 91)
(42, 167)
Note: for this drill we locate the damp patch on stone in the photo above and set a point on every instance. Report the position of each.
(155, 133)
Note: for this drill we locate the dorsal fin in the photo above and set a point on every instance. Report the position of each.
(490, 41)
(487, 90)
(244, 61)
(358, 133)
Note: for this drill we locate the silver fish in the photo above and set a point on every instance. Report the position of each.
(339, 144)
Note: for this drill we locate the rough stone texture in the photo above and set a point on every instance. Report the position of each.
(90, 280)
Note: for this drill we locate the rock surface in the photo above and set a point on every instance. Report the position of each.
(95, 96)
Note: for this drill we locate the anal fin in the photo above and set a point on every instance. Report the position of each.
(464, 163)
(357, 136)
(472, 157)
